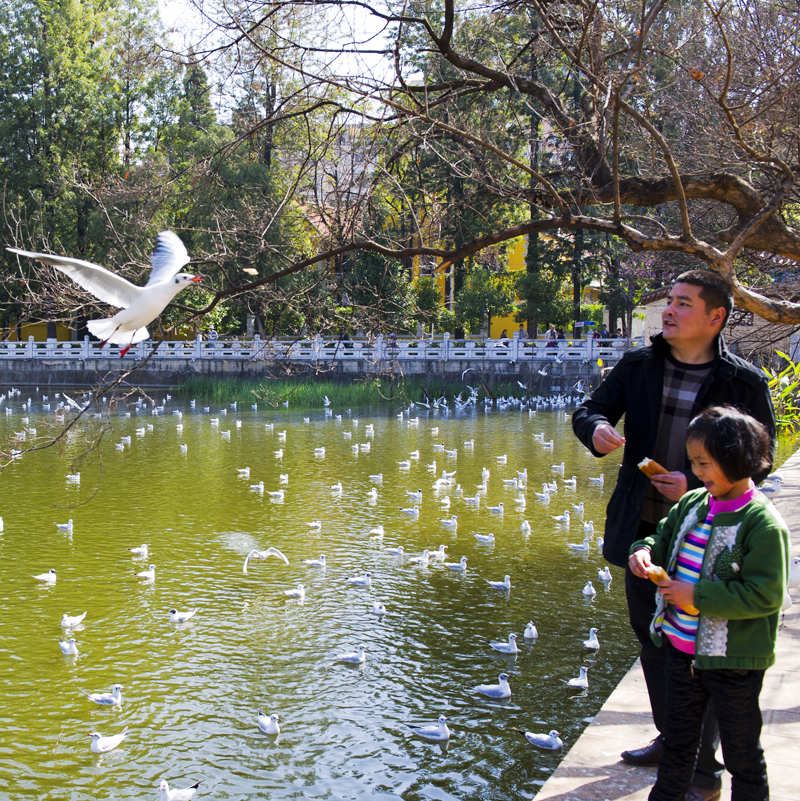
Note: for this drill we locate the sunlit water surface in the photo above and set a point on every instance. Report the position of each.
(192, 691)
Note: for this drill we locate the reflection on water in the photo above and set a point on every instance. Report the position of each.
(193, 690)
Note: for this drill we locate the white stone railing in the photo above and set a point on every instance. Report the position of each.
(321, 349)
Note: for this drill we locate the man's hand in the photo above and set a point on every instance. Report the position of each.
(670, 485)
(605, 438)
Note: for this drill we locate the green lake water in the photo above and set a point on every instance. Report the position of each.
(192, 691)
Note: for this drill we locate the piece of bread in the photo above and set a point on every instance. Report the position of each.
(656, 574)
(650, 467)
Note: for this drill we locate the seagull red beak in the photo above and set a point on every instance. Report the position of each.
(197, 279)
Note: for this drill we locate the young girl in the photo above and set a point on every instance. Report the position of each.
(726, 551)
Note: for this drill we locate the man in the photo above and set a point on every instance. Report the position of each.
(659, 388)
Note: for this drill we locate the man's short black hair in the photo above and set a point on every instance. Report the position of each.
(715, 290)
(737, 442)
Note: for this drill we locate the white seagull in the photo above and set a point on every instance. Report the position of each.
(581, 681)
(139, 305)
(101, 745)
(165, 793)
(504, 647)
(68, 647)
(531, 632)
(505, 584)
(65, 527)
(461, 565)
(436, 733)
(593, 643)
(315, 562)
(48, 578)
(181, 617)
(142, 551)
(298, 592)
(499, 690)
(268, 724)
(256, 554)
(147, 575)
(114, 698)
(550, 741)
(604, 574)
(354, 657)
(70, 621)
(364, 580)
(588, 590)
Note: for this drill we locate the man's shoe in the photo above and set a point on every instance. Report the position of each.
(650, 754)
(695, 793)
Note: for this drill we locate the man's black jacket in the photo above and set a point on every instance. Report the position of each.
(634, 388)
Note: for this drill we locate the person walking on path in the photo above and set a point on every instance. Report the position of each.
(723, 553)
(659, 389)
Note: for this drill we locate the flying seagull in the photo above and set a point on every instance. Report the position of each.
(139, 305)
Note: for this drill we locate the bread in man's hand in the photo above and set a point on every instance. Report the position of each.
(650, 467)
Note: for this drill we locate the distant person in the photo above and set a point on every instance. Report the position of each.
(212, 337)
(521, 333)
(551, 336)
(504, 334)
(659, 389)
(726, 553)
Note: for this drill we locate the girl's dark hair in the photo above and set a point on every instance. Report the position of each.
(737, 442)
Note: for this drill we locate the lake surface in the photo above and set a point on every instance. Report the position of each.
(192, 691)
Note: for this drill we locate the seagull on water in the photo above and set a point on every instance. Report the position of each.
(68, 647)
(580, 546)
(550, 741)
(147, 575)
(604, 574)
(315, 562)
(268, 724)
(256, 554)
(461, 565)
(364, 580)
(181, 617)
(436, 733)
(298, 592)
(484, 539)
(588, 590)
(505, 584)
(182, 794)
(113, 698)
(65, 527)
(48, 578)
(70, 621)
(592, 643)
(102, 745)
(142, 551)
(354, 657)
(531, 632)
(581, 681)
(139, 305)
(504, 647)
(499, 690)
(378, 609)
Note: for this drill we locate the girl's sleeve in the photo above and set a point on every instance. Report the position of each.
(757, 586)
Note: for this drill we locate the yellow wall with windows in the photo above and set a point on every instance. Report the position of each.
(36, 330)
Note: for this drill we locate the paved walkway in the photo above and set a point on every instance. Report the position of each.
(592, 770)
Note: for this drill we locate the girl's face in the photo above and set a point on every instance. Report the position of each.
(712, 475)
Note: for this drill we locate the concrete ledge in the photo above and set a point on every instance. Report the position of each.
(592, 769)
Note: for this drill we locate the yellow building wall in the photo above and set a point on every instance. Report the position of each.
(516, 262)
(39, 332)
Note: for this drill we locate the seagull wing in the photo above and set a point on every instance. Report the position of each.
(168, 258)
(102, 283)
(275, 552)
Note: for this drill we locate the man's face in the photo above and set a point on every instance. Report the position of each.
(686, 320)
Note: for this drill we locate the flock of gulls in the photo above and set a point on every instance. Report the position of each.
(444, 493)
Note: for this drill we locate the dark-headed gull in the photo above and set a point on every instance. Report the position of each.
(165, 793)
(181, 617)
(139, 305)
